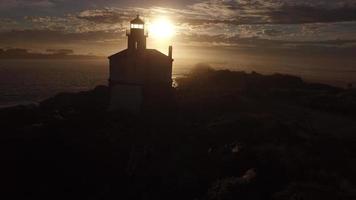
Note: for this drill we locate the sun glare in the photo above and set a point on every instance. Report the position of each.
(161, 28)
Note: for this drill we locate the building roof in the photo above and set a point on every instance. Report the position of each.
(146, 52)
(137, 20)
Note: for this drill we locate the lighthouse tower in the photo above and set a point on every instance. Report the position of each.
(139, 77)
(136, 35)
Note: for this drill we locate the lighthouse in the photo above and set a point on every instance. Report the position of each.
(139, 77)
(136, 35)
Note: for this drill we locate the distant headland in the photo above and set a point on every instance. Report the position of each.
(18, 53)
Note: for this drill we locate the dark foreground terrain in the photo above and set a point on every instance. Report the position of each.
(226, 135)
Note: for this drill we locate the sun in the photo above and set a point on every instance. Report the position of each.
(161, 28)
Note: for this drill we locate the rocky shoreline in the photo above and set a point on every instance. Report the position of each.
(225, 135)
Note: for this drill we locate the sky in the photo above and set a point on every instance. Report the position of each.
(217, 31)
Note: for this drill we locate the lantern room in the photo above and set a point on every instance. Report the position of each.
(136, 35)
(137, 23)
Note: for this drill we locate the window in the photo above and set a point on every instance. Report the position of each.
(137, 26)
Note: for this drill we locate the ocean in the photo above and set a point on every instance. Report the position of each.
(30, 81)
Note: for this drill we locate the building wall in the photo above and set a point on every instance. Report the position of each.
(141, 69)
(127, 70)
(137, 78)
(159, 71)
(136, 39)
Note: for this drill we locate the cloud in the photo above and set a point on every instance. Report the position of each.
(308, 14)
(271, 12)
(106, 15)
(54, 36)
(73, 23)
(60, 51)
(8, 4)
(8, 24)
(199, 12)
(264, 45)
(225, 23)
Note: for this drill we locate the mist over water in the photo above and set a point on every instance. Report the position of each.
(29, 81)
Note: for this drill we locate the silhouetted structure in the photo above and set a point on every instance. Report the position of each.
(138, 76)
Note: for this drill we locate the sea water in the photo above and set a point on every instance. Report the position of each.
(30, 81)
